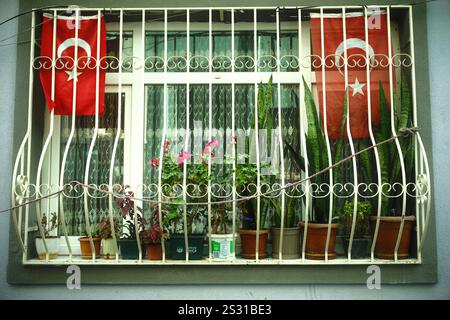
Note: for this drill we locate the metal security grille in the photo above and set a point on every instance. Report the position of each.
(190, 76)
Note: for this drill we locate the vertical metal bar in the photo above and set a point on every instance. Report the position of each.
(117, 137)
(17, 224)
(47, 140)
(186, 145)
(280, 138)
(258, 175)
(30, 135)
(163, 138)
(418, 142)
(302, 135)
(144, 108)
(419, 207)
(20, 152)
(209, 131)
(394, 132)
(324, 99)
(349, 135)
(233, 139)
(372, 138)
(94, 137)
(61, 208)
(74, 106)
(428, 209)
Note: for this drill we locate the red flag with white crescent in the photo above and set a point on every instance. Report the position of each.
(65, 75)
(357, 77)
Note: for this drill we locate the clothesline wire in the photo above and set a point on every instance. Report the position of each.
(402, 132)
(172, 16)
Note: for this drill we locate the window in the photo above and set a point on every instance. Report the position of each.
(231, 80)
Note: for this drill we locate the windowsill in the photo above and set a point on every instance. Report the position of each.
(65, 260)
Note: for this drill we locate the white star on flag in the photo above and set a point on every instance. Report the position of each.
(72, 75)
(357, 87)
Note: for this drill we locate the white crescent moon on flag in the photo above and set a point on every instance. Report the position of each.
(70, 42)
(353, 43)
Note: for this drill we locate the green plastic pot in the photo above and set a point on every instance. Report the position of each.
(178, 248)
(128, 249)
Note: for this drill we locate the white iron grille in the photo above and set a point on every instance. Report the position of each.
(131, 75)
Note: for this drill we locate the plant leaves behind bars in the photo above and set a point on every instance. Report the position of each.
(384, 150)
(298, 159)
(405, 121)
(315, 137)
(339, 149)
(365, 161)
(405, 113)
(316, 147)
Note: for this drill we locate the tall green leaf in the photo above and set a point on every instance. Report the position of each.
(384, 151)
(315, 137)
(405, 120)
(365, 161)
(339, 147)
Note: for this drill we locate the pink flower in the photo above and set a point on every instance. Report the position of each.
(210, 146)
(155, 163)
(233, 139)
(166, 146)
(183, 156)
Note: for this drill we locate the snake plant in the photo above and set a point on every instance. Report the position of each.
(388, 154)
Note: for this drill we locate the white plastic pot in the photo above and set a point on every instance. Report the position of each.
(108, 249)
(222, 246)
(52, 246)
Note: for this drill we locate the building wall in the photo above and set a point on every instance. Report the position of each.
(439, 71)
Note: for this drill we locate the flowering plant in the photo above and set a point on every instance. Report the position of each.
(197, 177)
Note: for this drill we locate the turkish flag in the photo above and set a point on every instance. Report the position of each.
(64, 65)
(357, 79)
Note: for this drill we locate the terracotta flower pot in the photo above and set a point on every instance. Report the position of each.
(387, 236)
(85, 246)
(291, 243)
(154, 251)
(248, 243)
(316, 239)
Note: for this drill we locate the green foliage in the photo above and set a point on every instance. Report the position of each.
(388, 153)
(246, 173)
(339, 148)
(317, 153)
(289, 216)
(49, 226)
(265, 100)
(363, 211)
(105, 230)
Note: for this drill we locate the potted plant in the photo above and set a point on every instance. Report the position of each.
(52, 242)
(246, 178)
(222, 246)
(108, 244)
(360, 236)
(318, 226)
(85, 244)
(151, 238)
(291, 231)
(172, 181)
(391, 208)
(128, 246)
